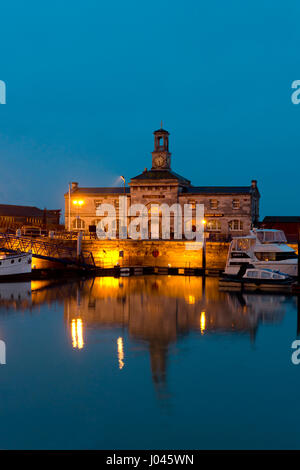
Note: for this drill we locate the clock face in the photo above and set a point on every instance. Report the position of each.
(159, 161)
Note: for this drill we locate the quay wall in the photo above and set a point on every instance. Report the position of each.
(160, 253)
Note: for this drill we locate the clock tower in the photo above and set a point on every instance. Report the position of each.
(161, 157)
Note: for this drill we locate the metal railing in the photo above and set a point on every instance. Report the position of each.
(45, 249)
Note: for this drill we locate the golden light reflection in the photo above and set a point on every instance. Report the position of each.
(191, 299)
(110, 282)
(77, 333)
(202, 322)
(108, 258)
(120, 352)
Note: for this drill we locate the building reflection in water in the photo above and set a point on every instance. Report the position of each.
(158, 311)
(155, 311)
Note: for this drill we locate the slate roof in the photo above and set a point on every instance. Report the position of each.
(20, 211)
(161, 131)
(283, 219)
(119, 190)
(219, 189)
(160, 175)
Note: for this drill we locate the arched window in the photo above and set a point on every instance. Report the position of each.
(78, 224)
(213, 226)
(235, 225)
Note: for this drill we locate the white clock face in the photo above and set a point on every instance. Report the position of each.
(159, 161)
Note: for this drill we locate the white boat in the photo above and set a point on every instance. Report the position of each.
(262, 249)
(15, 264)
(257, 279)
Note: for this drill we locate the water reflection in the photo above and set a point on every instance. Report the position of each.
(77, 334)
(120, 352)
(155, 311)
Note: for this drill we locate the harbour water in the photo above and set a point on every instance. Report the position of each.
(154, 362)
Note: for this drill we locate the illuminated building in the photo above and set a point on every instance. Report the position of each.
(229, 210)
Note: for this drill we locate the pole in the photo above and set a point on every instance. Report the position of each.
(69, 208)
(298, 282)
(204, 252)
(298, 277)
(79, 243)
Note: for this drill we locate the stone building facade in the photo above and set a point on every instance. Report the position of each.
(228, 210)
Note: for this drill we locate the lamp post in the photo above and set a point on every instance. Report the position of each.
(204, 247)
(69, 208)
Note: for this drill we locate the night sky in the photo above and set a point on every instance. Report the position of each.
(88, 82)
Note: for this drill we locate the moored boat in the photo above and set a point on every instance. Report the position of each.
(15, 265)
(262, 249)
(253, 279)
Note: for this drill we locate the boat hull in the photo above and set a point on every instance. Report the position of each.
(233, 284)
(18, 265)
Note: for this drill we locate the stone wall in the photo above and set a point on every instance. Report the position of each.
(144, 253)
(179, 254)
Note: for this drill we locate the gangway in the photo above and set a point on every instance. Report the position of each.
(48, 250)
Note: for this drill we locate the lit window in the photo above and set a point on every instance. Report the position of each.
(213, 203)
(213, 225)
(235, 225)
(236, 204)
(78, 224)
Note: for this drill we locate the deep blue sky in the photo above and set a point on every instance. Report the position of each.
(88, 82)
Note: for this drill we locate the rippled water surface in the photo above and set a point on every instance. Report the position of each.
(147, 362)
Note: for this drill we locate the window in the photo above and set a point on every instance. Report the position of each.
(193, 204)
(252, 274)
(213, 226)
(236, 204)
(270, 236)
(78, 224)
(213, 203)
(275, 255)
(265, 275)
(235, 225)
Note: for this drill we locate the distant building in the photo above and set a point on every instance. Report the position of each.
(12, 216)
(289, 224)
(229, 210)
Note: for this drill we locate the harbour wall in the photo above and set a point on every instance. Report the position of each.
(154, 253)
(160, 253)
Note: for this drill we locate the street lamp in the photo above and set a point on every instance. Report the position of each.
(78, 203)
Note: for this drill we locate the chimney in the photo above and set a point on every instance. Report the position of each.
(74, 185)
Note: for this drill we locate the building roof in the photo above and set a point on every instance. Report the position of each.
(282, 219)
(161, 131)
(219, 189)
(119, 190)
(20, 211)
(160, 175)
